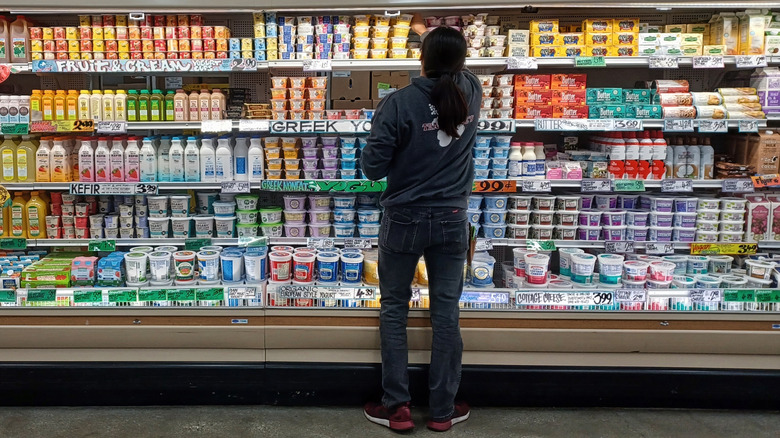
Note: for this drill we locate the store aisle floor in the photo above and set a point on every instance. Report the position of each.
(282, 422)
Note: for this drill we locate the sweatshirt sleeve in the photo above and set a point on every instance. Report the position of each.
(382, 141)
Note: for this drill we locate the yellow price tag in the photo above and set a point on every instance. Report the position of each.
(723, 248)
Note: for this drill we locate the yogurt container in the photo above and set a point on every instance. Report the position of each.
(158, 227)
(589, 233)
(208, 266)
(328, 267)
(296, 217)
(497, 231)
(204, 225)
(684, 220)
(610, 268)
(733, 204)
(660, 219)
(680, 234)
(517, 217)
(180, 205)
(708, 204)
(698, 265)
(567, 203)
(184, 265)
(708, 215)
(536, 268)
(232, 264)
(294, 202)
(614, 218)
(180, 226)
(636, 233)
(225, 226)
(635, 270)
(351, 268)
(271, 215)
(256, 266)
(686, 205)
(566, 218)
(223, 208)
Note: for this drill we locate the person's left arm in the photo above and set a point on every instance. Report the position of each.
(377, 156)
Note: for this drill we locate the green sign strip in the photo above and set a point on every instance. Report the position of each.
(7, 296)
(122, 296)
(212, 294)
(629, 185)
(87, 296)
(346, 186)
(102, 245)
(181, 295)
(152, 295)
(41, 295)
(739, 295)
(13, 243)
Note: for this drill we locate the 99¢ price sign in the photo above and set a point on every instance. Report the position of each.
(496, 125)
(494, 186)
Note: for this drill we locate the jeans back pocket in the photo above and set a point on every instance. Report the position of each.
(399, 233)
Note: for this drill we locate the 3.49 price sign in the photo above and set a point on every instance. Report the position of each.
(495, 186)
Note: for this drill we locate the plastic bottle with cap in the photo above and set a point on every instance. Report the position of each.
(117, 161)
(192, 160)
(256, 159)
(132, 160)
(148, 161)
(208, 160)
(86, 161)
(240, 159)
(515, 160)
(223, 169)
(176, 160)
(102, 161)
(660, 149)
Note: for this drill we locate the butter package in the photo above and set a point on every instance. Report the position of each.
(679, 112)
(711, 112)
(571, 97)
(648, 50)
(606, 111)
(533, 97)
(644, 111)
(570, 111)
(650, 28)
(719, 50)
(671, 86)
(599, 39)
(597, 25)
(771, 45)
(625, 38)
(540, 82)
(625, 51)
(674, 99)
(534, 112)
(675, 28)
(670, 50)
(692, 39)
(702, 28)
(650, 39)
(519, 37)
(547, 51)
(747, 115)
(543, 26)
(691, 50)
(515, 51)
(596, 96)
(625, 25)
(545, 39)
(568, 81)
(707, 98)
(572, 39)
(573, 51)
(599, 51)
(743, 106)
(635, 96)
(670, 39)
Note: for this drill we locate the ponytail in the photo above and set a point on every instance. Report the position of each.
(443, 56)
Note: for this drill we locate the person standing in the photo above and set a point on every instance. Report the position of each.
(421, 140)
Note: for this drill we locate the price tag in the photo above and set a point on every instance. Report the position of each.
(7, 296)
(242, 292)
(173, 82)
(243, 64)
(365, 293)
(620, 246)
(41, 295)
(216, 126)
(768, 296)
(317, 65)
(235, 186)
(748, 126)
(677, 185)
(494, 185)
(212, 294)
(628, 185)
(484, 297)
(596, 185)
(723, 248)
(111, 127)
(628, 125)
(704, 295)
(659, 248)
(102, 245)
(196, 244)
(357, 243)
(122, 296)
(713, 125)
(415, 295)
(87, 296)
(751, 61)
(63, 126)
(738, 185)
(14, 128)
(483, 245)
(739, 295)
(763, 181)
(590, 61)
(252, 241)
(678, 125)
(708, 62)
(113, 188)
(320, 242)
(536, 185)
(13, 243)
(152, 295)
(630, 295)
(181, 295)
(521, 63)
(664, 62)
(246, 125)
(496, 125)
(540, 245)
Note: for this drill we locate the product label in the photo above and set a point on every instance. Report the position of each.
(21, 166)
(257, 167)
(33, 219)
(209, 169)
(529, 168)
(2, 48)
(8, 165)
(178, 110)
(20, 48)
(240, 165)
(17, 220)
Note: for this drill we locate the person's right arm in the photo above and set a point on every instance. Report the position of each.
(377, 156)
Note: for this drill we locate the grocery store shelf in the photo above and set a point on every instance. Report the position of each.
(40, 243)
(138, 126)
(649, 184)
(647, 123)
(597, 244)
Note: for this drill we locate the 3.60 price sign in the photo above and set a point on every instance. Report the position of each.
(495, 186)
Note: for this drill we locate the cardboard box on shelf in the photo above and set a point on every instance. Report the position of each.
(385, 82)
(351, 85)
(763, 152)
(345, 104)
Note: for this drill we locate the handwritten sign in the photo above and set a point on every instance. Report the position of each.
(496, 125)
(750, 61)
(87, 296)
(574, 124)
(678, 125)
(589, 61)
(13, 243)
(596, 185)
(320, 242)
(739, 295)
(357, 243)
(111, 127)
(708, 62)
(62, 126)
(196, 244)
(14, 128)
(659, 248)
(721, 125)
(748, 126)
(619, 246)
(216, 126)
(242, 292)
(143, 65)
(738, 185)
(630, 295)
(485, 297)
(628, 185)
(342, 186)
(628, 125)
(360, 126)
(676, 185)
(704, 295)
(540, 245)
(521, 63)
(235, 187)
(317, 65)
(763, 181)
(152, 295)
(122, 296)
(102, 245)
(246, 125)
(483, 245)
(664, 62)
(536, 185)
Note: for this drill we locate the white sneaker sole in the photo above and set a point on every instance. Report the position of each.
(386, 423)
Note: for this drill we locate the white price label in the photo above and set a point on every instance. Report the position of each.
(664, 62)
(521, 63)
(245, 125)
(738, 185)
(173, 82)
(216, 126)
(317, 65)
(714, 125)
(678, 125)
(596, 185)
(748, 126)
(242, 292)
(631, 295)
(483, 245)
(357, 243)
(235, 186)
(659, 248)
(496, 125)
(708, 62)
(620, 246)
(574, 124)
(113, 189)
(751, 61)
(677, 185)
(536, 186)
(320, 242)
(705, 295)
(111, 127)
(628, 125)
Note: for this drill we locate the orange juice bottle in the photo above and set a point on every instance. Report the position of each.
(60, 111)
(18, 216)
(72, 104)
(47, 105)
(35, 105)
(35, 210)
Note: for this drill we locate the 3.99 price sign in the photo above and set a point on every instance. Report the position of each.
(495, 186)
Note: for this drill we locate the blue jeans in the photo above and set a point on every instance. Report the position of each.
(441, 235)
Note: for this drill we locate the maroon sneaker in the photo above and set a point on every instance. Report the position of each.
(460, 415)
(398, 418)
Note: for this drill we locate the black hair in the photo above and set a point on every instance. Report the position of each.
(444, 55)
